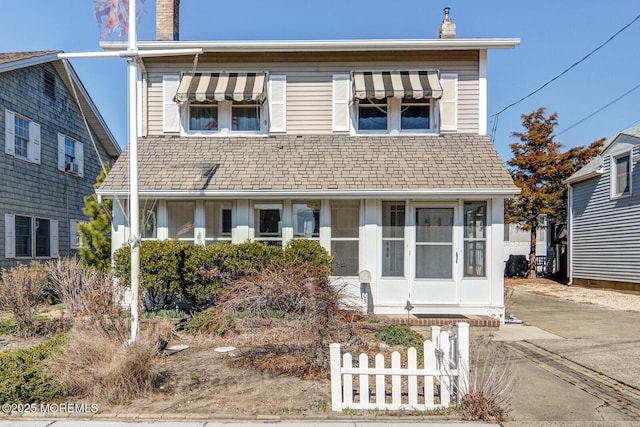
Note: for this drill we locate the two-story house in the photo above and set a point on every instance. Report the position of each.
(54, 143)
(378, 149)
(604, 207)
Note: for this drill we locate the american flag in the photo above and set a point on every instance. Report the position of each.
(113, 17)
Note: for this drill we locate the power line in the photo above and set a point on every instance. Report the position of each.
(495, 121)
(598, 110)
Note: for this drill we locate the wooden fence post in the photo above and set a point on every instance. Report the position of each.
(463, 357)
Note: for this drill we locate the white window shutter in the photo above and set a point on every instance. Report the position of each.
(80, 158)
(61, 151)
(449, 102)
(277, 103)
(9, 236)
(170, 109)
(55, 253)
(33, 150)
(341, 98)
(9, 132)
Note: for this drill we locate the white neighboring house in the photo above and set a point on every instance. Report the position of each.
(378, 149)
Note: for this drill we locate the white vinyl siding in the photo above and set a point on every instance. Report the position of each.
(309, 84)
(277, 99)
(170, 109)
(33, 145)
(341, 98)
(449, 102)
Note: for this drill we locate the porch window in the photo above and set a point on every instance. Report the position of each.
(217, 221)
(621, 176)
(149, 220)
(306, 220)
(475, 238)
(393, 221)
(181, 215)
(268, 223)
(434, 243)
(345, 236)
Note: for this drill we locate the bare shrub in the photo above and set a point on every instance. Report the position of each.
(93, 365)
(83, 290)
(21, 291)
(487, 393)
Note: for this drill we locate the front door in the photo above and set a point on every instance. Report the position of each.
(434, 260)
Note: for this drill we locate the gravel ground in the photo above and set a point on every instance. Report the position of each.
(618, 300)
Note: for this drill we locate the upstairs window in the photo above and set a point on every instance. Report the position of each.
(223, 102)
(621, 175)
(22, 137)
(70, 155)
(395, 101)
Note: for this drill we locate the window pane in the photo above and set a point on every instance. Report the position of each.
(181, 219)
(434, 224)
(622, 175)
(269, 223)
(393, 219)
(245, 117)
(203, 117)
(148, 223)
(474, 258)
(372, 114)
(21, 137)
(306, 219)
(393, 258)
(414, 114)
(217, 219)
(23, 236)
(475, 219)
(43, 238)
(345, 218)
(345, 257)
(434, 262)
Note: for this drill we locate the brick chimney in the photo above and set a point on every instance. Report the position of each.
(447, 28)
(168, 20)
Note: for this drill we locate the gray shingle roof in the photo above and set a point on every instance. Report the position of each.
(327, 163)
(17, 56)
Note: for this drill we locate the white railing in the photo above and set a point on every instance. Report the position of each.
(443, 374)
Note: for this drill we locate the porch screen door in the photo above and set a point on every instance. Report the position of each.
(434, 243)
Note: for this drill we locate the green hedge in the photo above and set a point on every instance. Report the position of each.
(23, 376)
(171, 269)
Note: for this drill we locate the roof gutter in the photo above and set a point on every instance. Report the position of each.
(592, 174)
(322, 45)
(316, 194)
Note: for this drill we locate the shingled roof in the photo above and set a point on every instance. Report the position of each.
(18, 56)
(322, 163)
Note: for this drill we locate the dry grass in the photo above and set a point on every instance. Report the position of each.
(94, 365)
(489, 388)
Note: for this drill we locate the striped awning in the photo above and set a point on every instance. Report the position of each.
(396, 84)
(203, 87)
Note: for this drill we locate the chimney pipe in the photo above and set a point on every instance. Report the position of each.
(168, 20)
(447, 28)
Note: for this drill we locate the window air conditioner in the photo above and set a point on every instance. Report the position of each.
(71, 168)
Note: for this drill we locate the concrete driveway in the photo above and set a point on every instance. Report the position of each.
(576, 364)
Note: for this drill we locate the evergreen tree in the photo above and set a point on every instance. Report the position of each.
(96, 234)
(538, 168)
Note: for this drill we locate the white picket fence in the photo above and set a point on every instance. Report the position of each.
(445, 369)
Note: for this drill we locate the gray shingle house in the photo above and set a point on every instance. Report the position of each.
(604, 213)
(49, 163)
(377, 149)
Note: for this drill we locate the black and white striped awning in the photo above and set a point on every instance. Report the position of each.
(203, 87)
(396, 84)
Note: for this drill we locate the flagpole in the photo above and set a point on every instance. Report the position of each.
(134, 203)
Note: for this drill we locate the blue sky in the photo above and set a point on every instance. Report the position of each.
(554, 35)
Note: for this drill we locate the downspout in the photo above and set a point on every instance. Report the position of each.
(570, 234)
